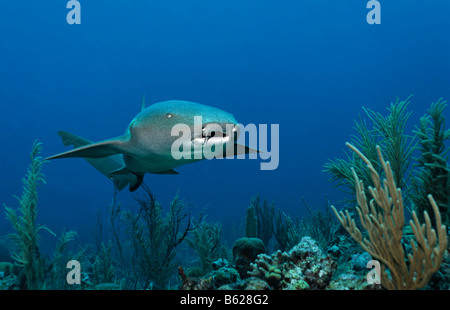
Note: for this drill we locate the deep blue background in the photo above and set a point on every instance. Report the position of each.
(308, 65)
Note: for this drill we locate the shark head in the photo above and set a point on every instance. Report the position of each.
(158, 127)
(147, 145)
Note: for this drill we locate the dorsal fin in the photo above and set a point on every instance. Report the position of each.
(143, 103)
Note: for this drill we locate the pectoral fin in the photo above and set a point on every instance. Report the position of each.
(96, 150)
(107, 165)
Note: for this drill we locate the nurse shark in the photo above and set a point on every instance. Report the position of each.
(147, 145)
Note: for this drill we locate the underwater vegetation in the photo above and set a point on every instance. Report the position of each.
(391, 176)
(389, 133)
(29, 266)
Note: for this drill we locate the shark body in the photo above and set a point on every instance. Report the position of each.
(146, 146)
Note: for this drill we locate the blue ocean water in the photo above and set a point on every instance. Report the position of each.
(309, 66)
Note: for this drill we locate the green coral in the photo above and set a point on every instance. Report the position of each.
(433, 170)
(6, 269)
(251, 222)
(57, 277)
(397, 145)
(286, 231)
(259, 220)
(23, 220)
(103, 270)
(154, 239)
(320, 225)
(389, 133)
(206, 242)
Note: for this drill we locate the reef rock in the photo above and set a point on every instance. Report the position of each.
(304, 267)
(359, 261)
(251, 284)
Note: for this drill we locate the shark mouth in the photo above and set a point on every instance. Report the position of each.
(214, 133)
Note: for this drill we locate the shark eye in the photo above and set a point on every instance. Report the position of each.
(169, 115)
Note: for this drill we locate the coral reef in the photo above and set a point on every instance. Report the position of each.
(351, 281)
(279, 251)
(305, 266)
